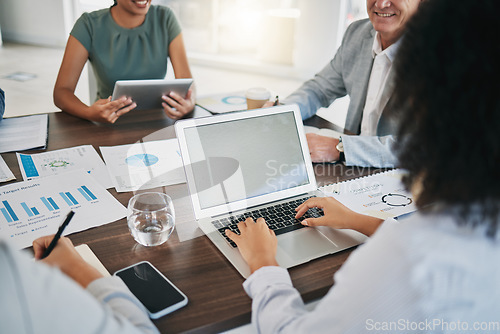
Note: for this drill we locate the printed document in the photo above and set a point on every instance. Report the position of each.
(84, 157)
(144, 165)
(5, 172)
(381, 195)
(31, 209)
(23, 133)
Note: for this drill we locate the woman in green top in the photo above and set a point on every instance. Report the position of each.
(129, 41)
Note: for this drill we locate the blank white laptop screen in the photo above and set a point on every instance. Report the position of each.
(244, 158)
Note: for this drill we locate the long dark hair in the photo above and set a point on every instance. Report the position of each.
(449, 138)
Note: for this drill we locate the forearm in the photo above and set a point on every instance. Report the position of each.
(113, 292)
(369, 151)
(66, 100)
(364, 224)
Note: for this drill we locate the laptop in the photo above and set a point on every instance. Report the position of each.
(256, 164)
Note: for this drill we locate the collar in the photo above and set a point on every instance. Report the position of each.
(390, 52)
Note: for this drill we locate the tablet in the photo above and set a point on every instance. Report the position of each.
(147, 93)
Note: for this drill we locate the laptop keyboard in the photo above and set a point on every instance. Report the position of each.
(280, 218)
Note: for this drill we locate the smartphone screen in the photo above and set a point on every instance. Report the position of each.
(153, 289)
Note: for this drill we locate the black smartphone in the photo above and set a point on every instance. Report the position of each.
(154, 290)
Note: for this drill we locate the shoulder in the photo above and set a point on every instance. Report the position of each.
(161, 12)
(92, 20)
(94, 16)
(360, 29)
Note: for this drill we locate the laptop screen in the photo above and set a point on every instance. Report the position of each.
(243, 158)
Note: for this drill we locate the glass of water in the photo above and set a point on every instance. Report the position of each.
(151, 218)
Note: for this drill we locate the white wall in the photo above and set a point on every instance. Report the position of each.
(39, 22)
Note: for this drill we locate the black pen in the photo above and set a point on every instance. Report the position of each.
(277, 101)
(58, 234)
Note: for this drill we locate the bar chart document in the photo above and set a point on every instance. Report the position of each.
(84, 157)
(32, 209)
(144, 165)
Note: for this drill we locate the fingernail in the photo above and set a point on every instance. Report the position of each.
(304, 222)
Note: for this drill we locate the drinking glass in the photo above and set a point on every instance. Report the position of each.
(151, 218)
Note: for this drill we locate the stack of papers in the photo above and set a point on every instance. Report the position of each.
(23, 133)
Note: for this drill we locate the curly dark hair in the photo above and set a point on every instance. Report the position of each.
(447, 74)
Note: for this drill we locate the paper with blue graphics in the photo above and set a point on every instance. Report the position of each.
(222, 103)
(35, 166)
(31, 209)
(144, 165)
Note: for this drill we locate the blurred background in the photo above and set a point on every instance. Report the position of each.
(232, 44)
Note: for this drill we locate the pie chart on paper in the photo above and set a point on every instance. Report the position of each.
(142, 160)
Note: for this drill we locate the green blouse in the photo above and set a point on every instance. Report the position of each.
(118, 53)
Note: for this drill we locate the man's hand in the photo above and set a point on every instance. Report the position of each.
(66, 258)
(256, 242)
(177, 107)
(322, 149)
(107, 111)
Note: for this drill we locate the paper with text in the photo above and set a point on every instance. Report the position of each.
(381, 195)
(31, 209)
(144, 165)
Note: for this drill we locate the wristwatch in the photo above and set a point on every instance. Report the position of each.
(340, 148)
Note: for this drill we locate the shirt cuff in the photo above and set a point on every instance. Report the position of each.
(265, 277)
(102, 286)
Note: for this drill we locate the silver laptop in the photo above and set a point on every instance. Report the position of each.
(253, 163)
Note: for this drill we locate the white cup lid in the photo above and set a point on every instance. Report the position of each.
(258, 93)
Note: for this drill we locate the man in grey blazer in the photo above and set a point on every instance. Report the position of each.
(361, 69)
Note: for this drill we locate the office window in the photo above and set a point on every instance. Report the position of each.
(291, 38)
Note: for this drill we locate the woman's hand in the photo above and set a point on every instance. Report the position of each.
(176, 106)
(337, 216)
(256, 242)
(66, 258)
(107, 111)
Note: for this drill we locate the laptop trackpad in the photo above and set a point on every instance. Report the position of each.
(302, 245)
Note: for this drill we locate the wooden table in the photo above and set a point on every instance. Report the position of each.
(217, 301)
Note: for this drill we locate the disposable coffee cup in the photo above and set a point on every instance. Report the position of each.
(256, 97)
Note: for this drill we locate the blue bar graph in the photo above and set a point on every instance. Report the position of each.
(89, 192)
(35, 211)
(72, 199)
(29, 166)
(65, 198)
(28, 210)
(53, 203)
(10, 211)
(47, 204)
(84, 194)
(6, 215)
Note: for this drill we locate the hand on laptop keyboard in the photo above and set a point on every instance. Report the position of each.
(257, 243)
(280, 218)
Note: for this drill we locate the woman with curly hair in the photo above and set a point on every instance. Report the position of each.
(436, 271)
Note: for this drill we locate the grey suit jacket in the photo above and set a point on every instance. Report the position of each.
(348, 73)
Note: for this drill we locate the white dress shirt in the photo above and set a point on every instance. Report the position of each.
(375, 103)
(425, 274)
(36, 298)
